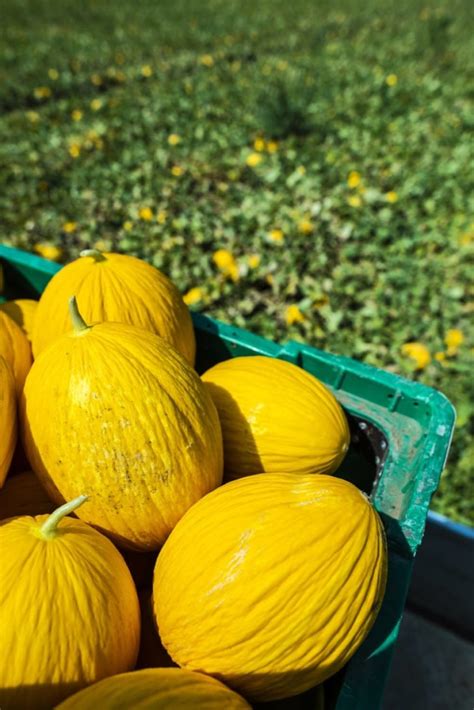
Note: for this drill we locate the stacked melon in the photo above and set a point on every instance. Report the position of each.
(210, 502)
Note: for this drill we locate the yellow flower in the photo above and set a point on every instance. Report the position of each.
(42, 92)
(74, 150)
(77, 115)
(419, 353)
(253, 160)
(254, 261)
(391, 80)
(161, 217)
(259, 145)
(48, 251)
(354, 201)
(465, 239)
(440, 356)
(177, 170)
(293, 315)
(145, 213)
(353, 179)
(96, 79)
(272, 146)
(391, 196)
(146, 71)
(269, 279)
(305, 226)
(96, 104)
(276, 235)
(53, 74)
(174, 139)
(128, 225)
(453, 339)
(207, 60)
(33, 116)
(194, 295)
(69, 227)
(225, 262)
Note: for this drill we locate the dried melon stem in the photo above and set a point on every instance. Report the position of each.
(78, 322)
(94, 253)
(49, 527)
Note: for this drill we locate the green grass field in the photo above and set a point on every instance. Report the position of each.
(325, 155)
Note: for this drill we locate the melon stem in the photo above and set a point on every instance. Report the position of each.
(78, 322)
(49, 527)
(94, 253)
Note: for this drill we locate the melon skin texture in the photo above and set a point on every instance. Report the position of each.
(23, 494)
(157, 689)
(116, 413)
(115, 288)
(69, 612)
(271, 582)
(15, 349)
(22, 311)
(8, 418)
(276, 417)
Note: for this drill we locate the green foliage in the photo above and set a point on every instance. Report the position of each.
(274, 104)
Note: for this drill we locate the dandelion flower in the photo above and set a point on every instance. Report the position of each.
(226, 263)
(53, 74)
(69, 227)
(453, 339)
(440, 356)
(174, 139)
(194, 295)
(161, 217)
(391, 80)
(33, 116)
(272, 147)
(354, 201)
(207, 60)
(417, 352)
(145, 213)
(177, 171)
(77, 115)
(96, 104)
(253, 160)
(259, 145)
(293, 315)
(42, 92)
(74, 150)
(254, 261)
(305, 226)
(354, 179)
(391, 196)
(146, 71)
(276, 235)
(48, 251)
(128, 225)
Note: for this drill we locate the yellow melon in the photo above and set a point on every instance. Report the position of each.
(8, 418)
(271, 582)
(15, 349)
(157, 688)
(276, 417)
(115, 288)
(69, 611)
(22, 311)
(115, 412)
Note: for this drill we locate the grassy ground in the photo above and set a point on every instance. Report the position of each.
(324, 154)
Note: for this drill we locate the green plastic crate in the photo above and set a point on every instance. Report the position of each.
(401, 432)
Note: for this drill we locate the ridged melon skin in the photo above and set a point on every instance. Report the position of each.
(8, 418)
(69, 612)
(23, 312)
(271, 582)
(15, 349)
(115, 413)
(115, 288)
(157, 689)
(276, 417)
